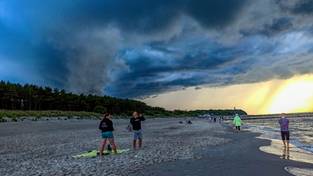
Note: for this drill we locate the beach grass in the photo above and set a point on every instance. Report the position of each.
(19, 115)
(16, 115)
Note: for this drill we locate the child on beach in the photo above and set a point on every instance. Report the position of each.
(237, 122)
(106, 127)
(135, 121)
(284, 130)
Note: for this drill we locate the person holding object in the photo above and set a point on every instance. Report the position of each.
(237, 122)
(106, 127)
(135, 122)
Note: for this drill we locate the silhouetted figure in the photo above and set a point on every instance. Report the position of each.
(284, 131)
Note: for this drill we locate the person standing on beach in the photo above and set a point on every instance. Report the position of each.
(106, 127)
(237, 122)
(135, 121)
(284, 130)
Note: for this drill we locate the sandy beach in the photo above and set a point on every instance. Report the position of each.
(47, 147)
(170, 148)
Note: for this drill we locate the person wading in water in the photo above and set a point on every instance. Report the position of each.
(284, 131)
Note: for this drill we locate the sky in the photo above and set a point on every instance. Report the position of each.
(204, 53)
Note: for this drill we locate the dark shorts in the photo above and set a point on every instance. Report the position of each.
(238, 128)
(285, 135)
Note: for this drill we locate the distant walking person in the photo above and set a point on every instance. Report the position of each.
(237, 122)
(106, 127)
(284, 130)
(135, 121)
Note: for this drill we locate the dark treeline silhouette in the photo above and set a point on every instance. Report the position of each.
(36, 98)
(31, 97)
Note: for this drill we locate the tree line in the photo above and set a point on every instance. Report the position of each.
(36, 98)
(32, 97)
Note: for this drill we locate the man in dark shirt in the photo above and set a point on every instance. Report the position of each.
(106, 127)
(135, 121)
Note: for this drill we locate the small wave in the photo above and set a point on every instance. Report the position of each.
(272, 133)
(299, 171)
(266, 132)
(294, 153)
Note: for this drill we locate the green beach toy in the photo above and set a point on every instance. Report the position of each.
(95, 153)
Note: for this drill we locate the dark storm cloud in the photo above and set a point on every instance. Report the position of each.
(212, 13)
(135, 16)
(277, 26)
(303, 7)
(51, 58)
(144, 47)
(138, 15)
(53, 31)
(152, 16)
(298, 7)
(155, 73)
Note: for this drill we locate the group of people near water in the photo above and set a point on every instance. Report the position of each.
(106, 127)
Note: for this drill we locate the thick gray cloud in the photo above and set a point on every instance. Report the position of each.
(299, 7)
(276, 26)
(141, 48)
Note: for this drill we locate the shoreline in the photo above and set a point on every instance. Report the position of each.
(241, 157)
(298, 137)
(170, 148)
(295, 153)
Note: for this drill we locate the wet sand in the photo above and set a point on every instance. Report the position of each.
(241, 156)
(299, 171)
(294, 153)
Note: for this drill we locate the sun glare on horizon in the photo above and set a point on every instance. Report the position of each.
(296, 95)
(275, 96)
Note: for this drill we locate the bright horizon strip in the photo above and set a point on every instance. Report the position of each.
(275, 96)
(296, 95)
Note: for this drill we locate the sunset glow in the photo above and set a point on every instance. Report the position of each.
(275, 96)
(296, 95)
